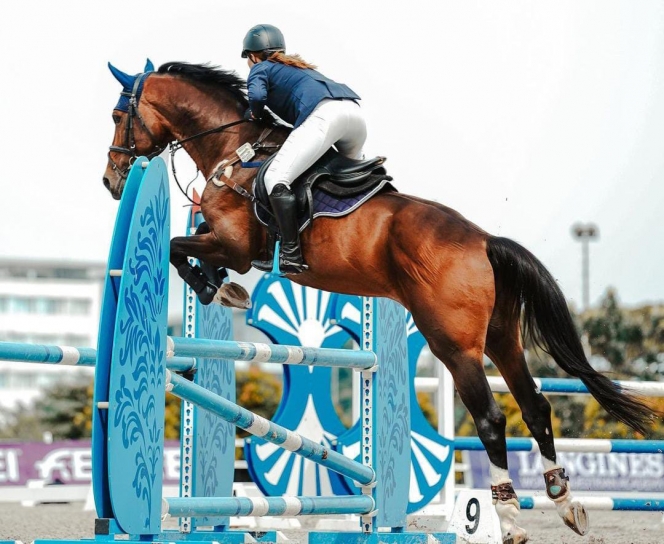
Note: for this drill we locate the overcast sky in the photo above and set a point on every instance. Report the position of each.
(525, 116)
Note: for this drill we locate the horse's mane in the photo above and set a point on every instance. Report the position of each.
(209, 75)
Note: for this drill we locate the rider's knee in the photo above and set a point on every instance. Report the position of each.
(272, 182)
(280, 189)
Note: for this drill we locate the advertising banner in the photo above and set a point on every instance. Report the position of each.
(65, 462)
(591, 471)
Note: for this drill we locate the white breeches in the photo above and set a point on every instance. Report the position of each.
(333, 122)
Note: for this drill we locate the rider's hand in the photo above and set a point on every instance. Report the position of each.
(248, 116)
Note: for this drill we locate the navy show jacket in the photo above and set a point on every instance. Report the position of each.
(292, 93)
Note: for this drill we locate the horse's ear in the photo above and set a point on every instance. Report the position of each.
(125, 79)
(149, 67)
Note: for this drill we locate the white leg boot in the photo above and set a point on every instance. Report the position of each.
(508, 508)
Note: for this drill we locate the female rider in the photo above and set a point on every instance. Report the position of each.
(323, 113)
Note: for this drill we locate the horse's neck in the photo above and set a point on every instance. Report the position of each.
(192, 110)
(208, 151)
(230, 215)
(269, 139)
(189, 112)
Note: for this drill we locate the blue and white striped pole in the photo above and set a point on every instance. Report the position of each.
(71, 356)
(270, 353)
(568, 386)
(266, 506)
(54, 355)
(264, 428)
(583, 445)
(597, 503)
(553, 386)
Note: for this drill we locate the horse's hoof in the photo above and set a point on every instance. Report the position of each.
(233, 295)
(517, 536)
(576, 518)
(207, 294)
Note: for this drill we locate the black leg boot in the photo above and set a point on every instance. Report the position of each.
(198, 281)
(284, 207)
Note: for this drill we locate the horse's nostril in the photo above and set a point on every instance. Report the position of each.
(107, 184)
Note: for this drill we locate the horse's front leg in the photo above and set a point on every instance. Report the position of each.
(207, 279)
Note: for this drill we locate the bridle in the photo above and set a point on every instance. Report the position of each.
(129, 140)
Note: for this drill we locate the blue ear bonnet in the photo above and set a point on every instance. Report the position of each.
(123, 103)
(130, 84)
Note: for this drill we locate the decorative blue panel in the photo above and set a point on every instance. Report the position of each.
(105, 340)
(431, 453)
(213, 455)
(136, 399)
(291, 314)
(391, 411)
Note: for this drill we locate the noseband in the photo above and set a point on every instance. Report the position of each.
(129, 140)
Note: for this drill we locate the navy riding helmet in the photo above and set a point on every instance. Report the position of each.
(263, 38)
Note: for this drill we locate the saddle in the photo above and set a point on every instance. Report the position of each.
(334, 186)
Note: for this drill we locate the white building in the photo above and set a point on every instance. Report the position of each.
(46, 302)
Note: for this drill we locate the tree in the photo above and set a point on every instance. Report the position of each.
(61, 411)
(515, 426)
(598, 424)
(258, 391)
(65, 409)
(60, 408)
(612, 333)
(20, 424)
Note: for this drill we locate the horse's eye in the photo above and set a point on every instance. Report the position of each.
(117, 119)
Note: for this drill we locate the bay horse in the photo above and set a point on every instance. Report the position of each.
(468, 291)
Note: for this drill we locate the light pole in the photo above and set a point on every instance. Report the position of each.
(585, 233)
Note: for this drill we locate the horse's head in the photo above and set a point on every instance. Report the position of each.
(133, 136)
(181, 103)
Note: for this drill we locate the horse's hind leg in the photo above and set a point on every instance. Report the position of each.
(456, 337)
(505, 350)
(473, 388)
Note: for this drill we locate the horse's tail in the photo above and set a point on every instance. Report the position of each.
(522, 279)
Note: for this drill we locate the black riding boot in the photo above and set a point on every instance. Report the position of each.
(290, 256)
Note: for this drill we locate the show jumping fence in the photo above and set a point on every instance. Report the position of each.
(136, 363)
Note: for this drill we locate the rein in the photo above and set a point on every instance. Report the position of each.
(178, 144)
(130, 142)
(225, 167)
